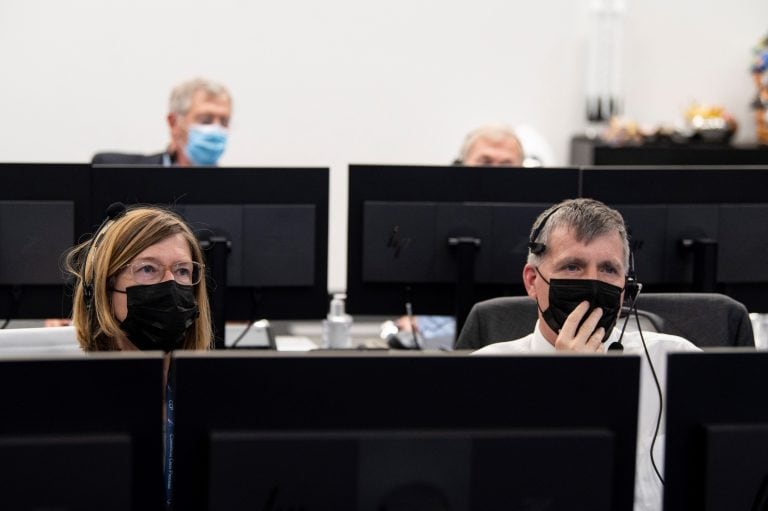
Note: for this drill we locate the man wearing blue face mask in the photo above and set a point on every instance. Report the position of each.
(577, 272)
(198, 117)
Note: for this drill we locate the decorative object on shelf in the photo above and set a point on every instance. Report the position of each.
(760, 103)
(709, 123)
(622, 131)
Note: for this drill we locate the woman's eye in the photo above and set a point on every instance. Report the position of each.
(148, 269)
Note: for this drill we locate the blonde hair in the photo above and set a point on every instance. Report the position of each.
(96, 262)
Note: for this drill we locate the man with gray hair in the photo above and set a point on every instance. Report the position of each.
(578, 273)
(198, 117)
(491, 145)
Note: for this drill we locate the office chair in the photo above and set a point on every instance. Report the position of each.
(705, 319)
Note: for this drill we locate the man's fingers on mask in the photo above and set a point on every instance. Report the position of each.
(590, 324)
(571, 324)
(596, 339)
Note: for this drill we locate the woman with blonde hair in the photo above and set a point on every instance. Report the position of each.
(140, 284)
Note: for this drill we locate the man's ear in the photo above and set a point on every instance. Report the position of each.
(529, 279)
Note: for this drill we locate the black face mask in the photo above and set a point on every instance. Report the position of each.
(159, 315)
(566, 294)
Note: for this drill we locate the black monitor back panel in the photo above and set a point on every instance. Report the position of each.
(275, 218)
(44, 210)
(70, 420)
(400, 219)
(675, 185)
(717, 431)
(377, 423)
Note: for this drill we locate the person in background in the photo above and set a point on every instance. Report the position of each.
(491, 145)
(577, 272)
(198, 118)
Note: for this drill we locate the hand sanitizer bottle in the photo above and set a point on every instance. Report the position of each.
(336, 327)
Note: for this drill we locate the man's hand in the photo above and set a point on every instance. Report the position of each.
(586, 338)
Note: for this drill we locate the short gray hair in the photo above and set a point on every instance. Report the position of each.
(495, 132)
(588, 218)
(181, 95)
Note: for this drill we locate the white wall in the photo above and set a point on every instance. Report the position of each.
(331, 82)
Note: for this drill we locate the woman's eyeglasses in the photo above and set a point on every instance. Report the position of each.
(152, 272)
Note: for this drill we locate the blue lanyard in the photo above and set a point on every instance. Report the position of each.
(169, 417)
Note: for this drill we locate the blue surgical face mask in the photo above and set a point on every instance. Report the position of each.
(205, 143)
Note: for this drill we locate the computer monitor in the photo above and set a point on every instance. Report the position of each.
(699, 227)
(82, 432)
(442, 238)
(355, 431)
(274, 220)
(44, 210)
(717, 431)
(668, 184)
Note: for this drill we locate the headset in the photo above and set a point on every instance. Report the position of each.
(114, 211)
(632, 287)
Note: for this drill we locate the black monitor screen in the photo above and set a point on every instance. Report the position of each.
(82, 433)
(717, 431)
(418, 234)
(44, 210)
(371, 432)
(33, 236)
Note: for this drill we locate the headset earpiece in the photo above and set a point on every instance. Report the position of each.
(534, 246)
(114, 211)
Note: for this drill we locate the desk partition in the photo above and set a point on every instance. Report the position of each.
(717, 431)
(82, 432)
(357, 431)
